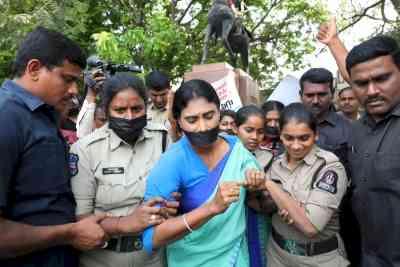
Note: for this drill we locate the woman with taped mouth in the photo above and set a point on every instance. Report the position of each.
(307, 184)
(109, 169)
(209, 171)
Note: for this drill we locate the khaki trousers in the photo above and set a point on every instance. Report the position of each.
(278, 257)
(109, 258)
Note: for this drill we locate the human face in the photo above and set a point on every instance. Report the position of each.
(298, 139)
(227, 124)
(317, 98)
(59, 84)
(348, 102)
(376, 84)
(199, 116)
(251, 133)
(272, 119)
(159, 98)
(127, 104)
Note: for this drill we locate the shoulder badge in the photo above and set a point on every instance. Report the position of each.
(328, 182)
(73, 163)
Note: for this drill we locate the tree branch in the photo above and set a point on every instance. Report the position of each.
(384, 17)
(273, 5)
(185, 12)
(358, 17)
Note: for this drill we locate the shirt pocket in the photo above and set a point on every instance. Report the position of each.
(387, 166)
(48, 160)
(111, 186)
(117, 190)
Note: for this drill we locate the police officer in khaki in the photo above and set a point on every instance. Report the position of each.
(109, 169)
(159, 87)
(306, 184)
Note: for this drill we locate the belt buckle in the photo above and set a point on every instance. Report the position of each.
(292, 247)
(129, 244)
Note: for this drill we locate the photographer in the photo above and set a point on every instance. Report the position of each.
(85, 124)
(98, 71)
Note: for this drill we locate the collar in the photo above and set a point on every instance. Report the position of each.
(330, 118)
(309, 159)
(31, 101)
(368, 120)
(116, 141)
(153, 107)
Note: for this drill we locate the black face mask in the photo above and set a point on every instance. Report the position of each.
(203, 139)
(128, 130)
(272, 132)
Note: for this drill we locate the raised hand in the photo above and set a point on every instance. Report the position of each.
(327, 32)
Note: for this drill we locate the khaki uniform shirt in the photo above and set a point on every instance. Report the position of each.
(263, 157)
(156, 115)
(110, 175)
(321, 197)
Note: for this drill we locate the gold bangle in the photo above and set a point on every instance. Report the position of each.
(186, 223)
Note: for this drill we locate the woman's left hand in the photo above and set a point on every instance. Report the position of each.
(255, 180)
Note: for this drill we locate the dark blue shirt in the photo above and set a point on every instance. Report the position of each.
(34, 178)
(334, 132)
(375, 174)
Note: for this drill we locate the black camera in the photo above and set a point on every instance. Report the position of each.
(107, 69)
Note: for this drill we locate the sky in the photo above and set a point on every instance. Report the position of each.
(350, 37)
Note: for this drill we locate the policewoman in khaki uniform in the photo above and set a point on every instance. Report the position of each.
(307, 184)
(109, 169)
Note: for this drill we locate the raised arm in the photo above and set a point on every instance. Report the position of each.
(328, 35)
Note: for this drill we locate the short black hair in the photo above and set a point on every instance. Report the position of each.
(120, 82)
(317, 75)
(157, 80)
(245, 112)
(299, 113)
(228, 113)
(191, 90)
(375, 47)
(51, 48)
(272, 105)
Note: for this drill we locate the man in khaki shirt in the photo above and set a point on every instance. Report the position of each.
(158, 86)
(318, 184)
(110, 176)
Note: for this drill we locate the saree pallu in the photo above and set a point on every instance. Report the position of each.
(222, 240)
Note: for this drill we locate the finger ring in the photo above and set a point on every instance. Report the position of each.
(153, 217)
(105, 245)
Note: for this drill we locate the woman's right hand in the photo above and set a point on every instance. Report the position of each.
(145, 215)
(227, 193)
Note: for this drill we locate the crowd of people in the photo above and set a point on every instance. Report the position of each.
(139, 175)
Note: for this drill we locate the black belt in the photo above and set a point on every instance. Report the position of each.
(305, 249)
(125, 244)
